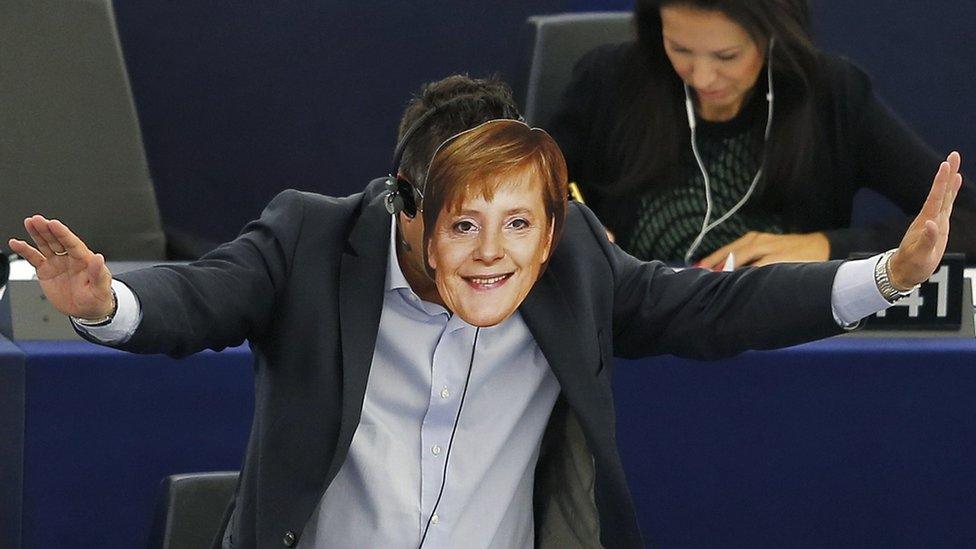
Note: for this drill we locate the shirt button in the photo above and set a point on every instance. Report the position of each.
(435, 519)
(289, 539)
(445, 393)
(436, 450)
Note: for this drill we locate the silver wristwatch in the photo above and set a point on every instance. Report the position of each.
(99, 322)
(883, 280)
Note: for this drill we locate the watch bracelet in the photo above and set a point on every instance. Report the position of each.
(882, 277)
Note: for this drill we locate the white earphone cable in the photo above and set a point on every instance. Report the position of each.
(708, 225)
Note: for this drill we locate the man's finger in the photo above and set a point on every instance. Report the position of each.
(98, 272)
(930, 235)
(28, 252)
(951, 195)
(933, 203)
(43, 228)
(31, 224)
(67, 239)
(955, 160)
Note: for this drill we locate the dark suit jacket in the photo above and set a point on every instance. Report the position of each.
(304, 283)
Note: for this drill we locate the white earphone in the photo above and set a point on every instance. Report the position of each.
(707, 224)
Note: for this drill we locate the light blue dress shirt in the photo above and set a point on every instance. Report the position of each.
(385, 492)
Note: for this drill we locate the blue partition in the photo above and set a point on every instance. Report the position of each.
(840, 443)
(11, 442)
(241, 100)
(104, 427)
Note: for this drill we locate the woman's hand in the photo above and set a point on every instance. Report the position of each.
(75, 280)
(755, 248)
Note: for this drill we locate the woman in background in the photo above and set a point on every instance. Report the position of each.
(734, 94)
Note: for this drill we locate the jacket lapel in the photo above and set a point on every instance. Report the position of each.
(361, 284)
(567, 341)
(565, 510)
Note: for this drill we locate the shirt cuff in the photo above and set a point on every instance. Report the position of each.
(855, 293)
(128, 315)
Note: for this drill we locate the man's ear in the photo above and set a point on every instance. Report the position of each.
(406, 225)
(403, 219)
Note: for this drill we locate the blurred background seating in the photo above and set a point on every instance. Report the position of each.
(190, 509)
(71, 143)
(240, 101)
(557, 42)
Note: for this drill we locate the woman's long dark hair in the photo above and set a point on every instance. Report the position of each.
(655, 128)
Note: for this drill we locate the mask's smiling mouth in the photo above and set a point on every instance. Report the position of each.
(487, 282)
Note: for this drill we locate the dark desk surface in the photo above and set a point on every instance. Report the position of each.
(848, 442)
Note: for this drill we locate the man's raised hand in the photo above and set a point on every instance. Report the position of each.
(925, 241)
(74, 279)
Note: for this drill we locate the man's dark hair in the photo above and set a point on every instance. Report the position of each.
(473, 101)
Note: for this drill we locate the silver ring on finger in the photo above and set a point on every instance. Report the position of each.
(61, 253)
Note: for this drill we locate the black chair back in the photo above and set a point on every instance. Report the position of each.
(71, 147)
(557, 42)
(190, 509)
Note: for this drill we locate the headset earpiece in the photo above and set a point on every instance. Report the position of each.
(689, 109)
(392, 199)
(410, 197)
(769, 70)
(401, 196)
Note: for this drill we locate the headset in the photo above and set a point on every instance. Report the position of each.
(707, 224)
(402, 195)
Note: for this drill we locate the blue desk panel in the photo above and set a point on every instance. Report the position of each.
(104, 427)
(11, 442)
(841, 443)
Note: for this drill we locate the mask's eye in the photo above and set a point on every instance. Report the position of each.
(464, 227)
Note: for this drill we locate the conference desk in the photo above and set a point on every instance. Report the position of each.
(846, 442)
(103, 427)
(11, 441)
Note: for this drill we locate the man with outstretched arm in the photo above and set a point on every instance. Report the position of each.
(440, 377)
